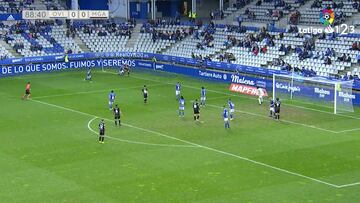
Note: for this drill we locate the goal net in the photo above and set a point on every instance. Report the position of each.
(334, 94)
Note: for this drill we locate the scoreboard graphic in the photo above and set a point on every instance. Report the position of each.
(65, 14)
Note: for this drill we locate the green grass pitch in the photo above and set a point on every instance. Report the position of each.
(49, 150)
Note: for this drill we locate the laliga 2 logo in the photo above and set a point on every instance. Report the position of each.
(327, 17)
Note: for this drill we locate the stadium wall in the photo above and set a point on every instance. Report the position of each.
(15, 67)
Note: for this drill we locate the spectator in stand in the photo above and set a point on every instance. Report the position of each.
(316, 4)
(355, 46)
(212, 15)
(258, 3)
(264, 49)
(255, 50)
(327, 61)
(356, 5)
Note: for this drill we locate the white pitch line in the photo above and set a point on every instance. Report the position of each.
(348, 185)
(135, 142)
(349, 130)
(204, 147)
(89, 92)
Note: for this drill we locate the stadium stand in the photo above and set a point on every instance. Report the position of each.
(158, 36)
(4, 53)
(16, 6)
(311, 55)
(104, 37)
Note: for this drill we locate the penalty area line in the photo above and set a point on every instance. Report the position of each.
(209, 148)
(224, 93)
(348, 185)
(285, 121)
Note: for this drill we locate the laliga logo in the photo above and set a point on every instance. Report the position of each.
(327, 17)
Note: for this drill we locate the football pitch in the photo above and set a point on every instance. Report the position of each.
(49, 150)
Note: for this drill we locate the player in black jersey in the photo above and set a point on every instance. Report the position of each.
(101, 131)
(145, 93)
(117, 114)
(196, 109)
(277, 108)
(127, 69)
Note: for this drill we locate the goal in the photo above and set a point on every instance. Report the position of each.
(331, 94)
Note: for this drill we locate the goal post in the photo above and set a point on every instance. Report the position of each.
(334, 94)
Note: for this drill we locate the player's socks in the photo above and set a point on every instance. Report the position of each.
(194, 118)
(115, 122)
(198, 117)
(99, 139)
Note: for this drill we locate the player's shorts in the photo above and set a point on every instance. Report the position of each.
(27, 92)
(226, 119)
(117, 116)
(232, 110)
(277, 110)
(145, 95)
(196, 111)
(111, 102)
(182, 108)
(102, 133)
(203, 98)
(261, 97)
(272, 109)
(177, 92)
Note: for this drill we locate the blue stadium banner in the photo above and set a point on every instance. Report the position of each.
(10, 16)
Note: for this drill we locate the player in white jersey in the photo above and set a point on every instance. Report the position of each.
(203, 97)
(232, 109)
(181, 107)
(261, 95)
(177, 90)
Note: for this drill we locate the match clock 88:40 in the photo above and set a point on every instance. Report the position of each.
(35, 14)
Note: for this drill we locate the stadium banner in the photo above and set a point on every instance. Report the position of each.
(25, 61)
(56, 66)
(246, 89)
(10, 16)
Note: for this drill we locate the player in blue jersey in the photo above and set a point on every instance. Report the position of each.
(181, 107)
(232, 109)
(177, 90)
(112, 96)
(272, 108)
(203, 96)
(226, 118)
(88, 75)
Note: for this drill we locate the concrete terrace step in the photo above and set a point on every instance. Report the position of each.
(134, 36)
(81, 44)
